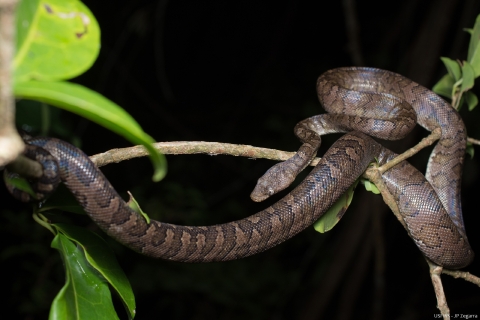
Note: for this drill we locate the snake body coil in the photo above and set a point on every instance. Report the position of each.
(358, 99)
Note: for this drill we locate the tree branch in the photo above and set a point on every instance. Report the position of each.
(374, 174)
(425, 142)
(435, 272)
(473, 141)
(467, 276)
(193, 147)
(11, 145)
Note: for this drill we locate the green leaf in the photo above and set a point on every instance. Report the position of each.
(100, 257)
(336, 212)
(370, 187)
(133, 204)
(85, 294)
(453, 68)
(471, 99)
(95, 107)
(56, 40)
(19, 183)
(468, 78)
(474, 48)
(444, 86)
(470, 150)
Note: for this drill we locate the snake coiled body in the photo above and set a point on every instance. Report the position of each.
(430, 207)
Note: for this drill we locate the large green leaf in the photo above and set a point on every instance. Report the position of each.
(85, 294)
(100, 257)
(56, 39)
(474, 48)
(92, 105)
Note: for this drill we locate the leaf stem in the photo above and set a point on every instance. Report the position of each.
(43, 221)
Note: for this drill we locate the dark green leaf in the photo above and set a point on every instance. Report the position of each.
(85, 294)
(101, 258)
(95, 107)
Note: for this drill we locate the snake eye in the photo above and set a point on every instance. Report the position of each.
(271, 192)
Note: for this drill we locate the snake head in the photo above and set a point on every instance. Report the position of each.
(276, 179)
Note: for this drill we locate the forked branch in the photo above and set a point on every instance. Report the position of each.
(373, 174)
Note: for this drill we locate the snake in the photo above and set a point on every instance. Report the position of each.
(364, 103)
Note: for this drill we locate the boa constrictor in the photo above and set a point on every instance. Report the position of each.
(377, 102)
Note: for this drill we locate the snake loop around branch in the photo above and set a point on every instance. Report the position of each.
(377, 102)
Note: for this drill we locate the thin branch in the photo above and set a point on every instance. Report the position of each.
(473, 141)
(193, 147)
(434, 136)
(374, 174)
(11, 145)
(435, 272)
(216, 148)
(467, 276)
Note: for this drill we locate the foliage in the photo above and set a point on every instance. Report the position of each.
(60, 40)
(56, 41)
(154, 271)
(454, 85)
(462, 74)
(90, 267)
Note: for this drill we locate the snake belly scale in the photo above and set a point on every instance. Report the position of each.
(430, 206)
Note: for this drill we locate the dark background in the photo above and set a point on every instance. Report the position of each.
(245, 72)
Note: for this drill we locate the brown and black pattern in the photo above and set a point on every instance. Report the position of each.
(387, 105)
(377, 102)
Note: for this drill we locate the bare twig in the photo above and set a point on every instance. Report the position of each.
(374, 174)
(473, 141)
(11, 145)
(434, 136)
(467, 276)
(193, 147)
(435, 272)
